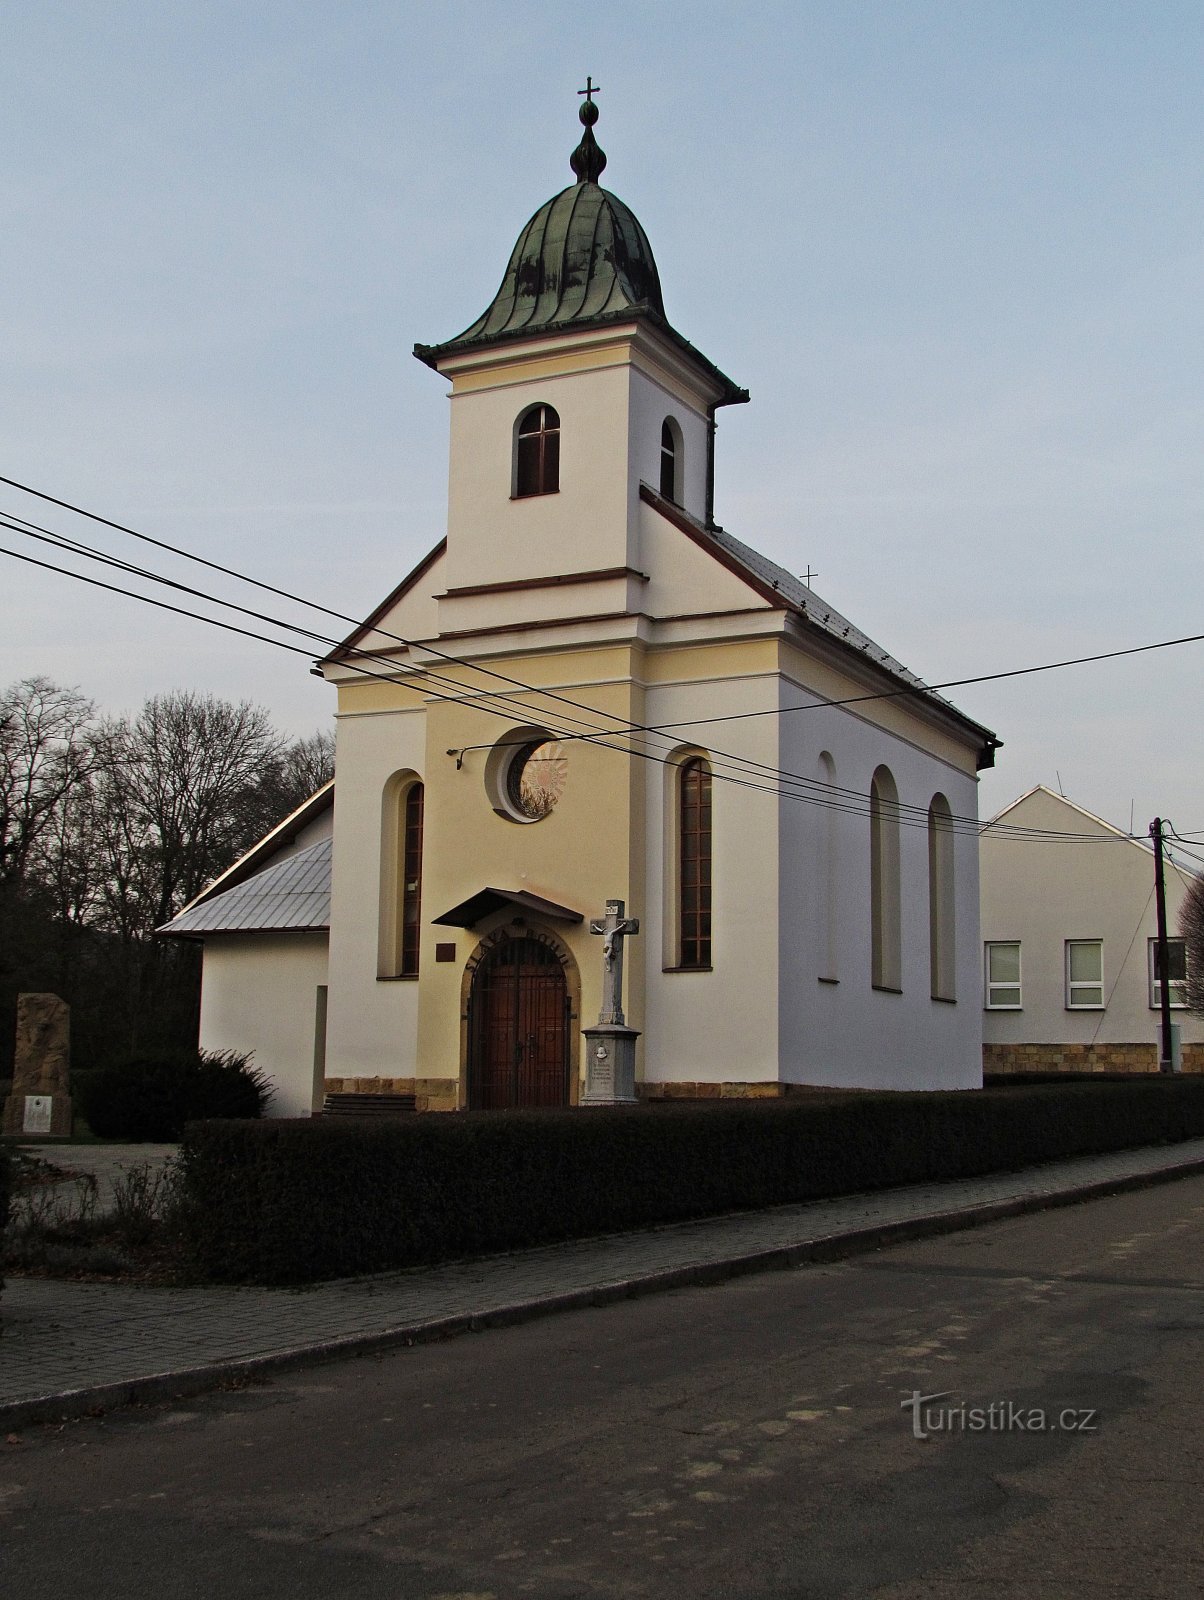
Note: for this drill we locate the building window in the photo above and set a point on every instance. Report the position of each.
(694, 864)
(535, 778)
(525, 774)
(537, 465)
(827, 900)
(1002, 986)
(411, 881)
(670, 460)
(400, 876)
(941, 936)
(1085, 974)
(1176, 950)
(886, 966)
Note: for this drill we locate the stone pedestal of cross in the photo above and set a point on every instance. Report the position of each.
(610, 1044)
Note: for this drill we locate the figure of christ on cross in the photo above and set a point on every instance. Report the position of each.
(613, 928)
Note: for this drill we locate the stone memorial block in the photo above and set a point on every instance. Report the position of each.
(40, 1103)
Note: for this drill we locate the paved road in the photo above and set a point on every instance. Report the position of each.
(742, 1441)
(69, 1348)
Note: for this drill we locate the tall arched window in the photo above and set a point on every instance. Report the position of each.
(886, 965)
(694, 864)
(826, 898)
(941, 927)
(670, 460)
(411, 880)
(537, 464)
(400, 877)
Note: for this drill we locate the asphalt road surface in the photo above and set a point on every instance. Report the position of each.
(746, 1441)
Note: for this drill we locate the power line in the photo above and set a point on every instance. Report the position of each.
(858, 805)
(737, 716)
(856, 801)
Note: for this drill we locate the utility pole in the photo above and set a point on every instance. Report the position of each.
(1163, 959)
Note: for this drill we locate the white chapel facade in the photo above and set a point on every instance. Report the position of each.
(590, 691)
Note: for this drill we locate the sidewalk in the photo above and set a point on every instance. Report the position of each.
(104, 1162)
(69, 1348)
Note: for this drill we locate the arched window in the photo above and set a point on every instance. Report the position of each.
(670, 460)
(694, 864)
(537, 466)
(941, 939)
(400, 877)
(826, 898)
(885, 913)
(411, 880)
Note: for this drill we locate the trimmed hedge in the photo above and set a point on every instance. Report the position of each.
(291, 1201)
(152, 1097)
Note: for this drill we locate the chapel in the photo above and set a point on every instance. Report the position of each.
(589, 694)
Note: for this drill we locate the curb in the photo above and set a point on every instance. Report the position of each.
(92, 1400)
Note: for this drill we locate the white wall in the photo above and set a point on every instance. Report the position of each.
(847, 1033)
(259, 994)
(1043, 892)
(372, 1027)
(722, 1025)
(495, 539)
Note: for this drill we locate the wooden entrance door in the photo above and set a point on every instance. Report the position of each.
(518, 1028)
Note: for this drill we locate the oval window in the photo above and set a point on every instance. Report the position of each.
(535, 777)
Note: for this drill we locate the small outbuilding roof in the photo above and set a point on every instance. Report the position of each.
(293, 896)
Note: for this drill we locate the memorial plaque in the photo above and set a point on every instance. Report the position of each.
(38, 1108)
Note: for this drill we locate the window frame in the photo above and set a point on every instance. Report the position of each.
(695, 925)
(886, 884)
(1084, 983)
(412, 821)
(670, 461)
(542, 475)
(1155, 983)
(990, 984)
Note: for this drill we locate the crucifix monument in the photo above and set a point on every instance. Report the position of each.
(610, 1044)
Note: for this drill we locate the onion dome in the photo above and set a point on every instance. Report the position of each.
(581, 261)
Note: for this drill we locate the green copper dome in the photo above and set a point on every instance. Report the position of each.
(583, 255)
(581, 261)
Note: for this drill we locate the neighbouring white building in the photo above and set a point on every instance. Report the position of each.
(1069, 925)
(590, 691)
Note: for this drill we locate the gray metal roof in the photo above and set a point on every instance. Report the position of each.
(818, 612)
(292, 896)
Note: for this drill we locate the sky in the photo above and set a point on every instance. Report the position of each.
(954, 252)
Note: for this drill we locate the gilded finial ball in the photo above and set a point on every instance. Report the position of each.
(588, 112)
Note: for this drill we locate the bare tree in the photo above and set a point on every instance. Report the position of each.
(182, 784)
(1191, 926)
(46, 751)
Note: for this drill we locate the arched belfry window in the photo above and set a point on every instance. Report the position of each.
(537, 461)
(694, 864)
(670, 460)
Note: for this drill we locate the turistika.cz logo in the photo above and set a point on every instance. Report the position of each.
(936, 1413)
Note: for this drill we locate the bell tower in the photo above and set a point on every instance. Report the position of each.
(570, 391)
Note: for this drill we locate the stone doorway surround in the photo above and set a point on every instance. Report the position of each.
(527, 1009)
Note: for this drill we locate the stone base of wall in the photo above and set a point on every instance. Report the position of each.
(1083, 1058)
(725, 1091)
(430, 1094)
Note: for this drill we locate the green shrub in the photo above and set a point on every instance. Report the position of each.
(152, 1097)
(290, 1201)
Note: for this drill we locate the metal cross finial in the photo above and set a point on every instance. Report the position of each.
(808, 575)
(591, 88)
